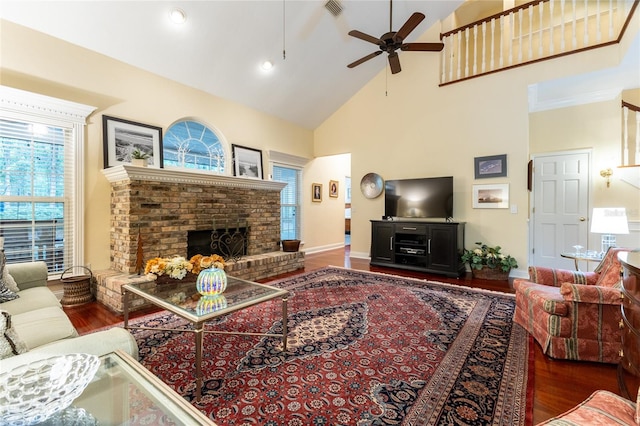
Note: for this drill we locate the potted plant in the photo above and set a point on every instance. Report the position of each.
(488, 263)
(139, 158)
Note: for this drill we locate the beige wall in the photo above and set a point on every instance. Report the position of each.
(323, 222)
(405, 125)
(42, 64)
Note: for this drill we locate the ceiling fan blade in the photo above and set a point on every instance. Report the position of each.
(364, 59)
(365, 37)
(423, 47)
(409, 26)
(394, 63)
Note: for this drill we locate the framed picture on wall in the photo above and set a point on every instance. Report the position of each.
(121, 138)
(316, 192)
(492, 166)
(247, 162)
(491, 196)
(333, 188)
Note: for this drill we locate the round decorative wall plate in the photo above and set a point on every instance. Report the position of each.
(371, 185)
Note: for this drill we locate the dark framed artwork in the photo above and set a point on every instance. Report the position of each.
(316, 192)
(247, 162)
(333, 188)
(122, 137)
(491, 166)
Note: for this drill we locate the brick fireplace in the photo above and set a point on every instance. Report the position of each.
(158, 208)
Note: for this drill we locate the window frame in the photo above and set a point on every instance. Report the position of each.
(28, 107)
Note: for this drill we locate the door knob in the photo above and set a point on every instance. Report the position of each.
(582, 218)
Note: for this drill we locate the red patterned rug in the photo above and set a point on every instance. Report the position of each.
(364, 349)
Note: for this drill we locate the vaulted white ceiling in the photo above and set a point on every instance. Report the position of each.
(220, 47)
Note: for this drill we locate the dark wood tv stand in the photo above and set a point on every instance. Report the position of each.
(426, 246)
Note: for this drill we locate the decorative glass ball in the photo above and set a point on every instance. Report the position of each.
(211, 281)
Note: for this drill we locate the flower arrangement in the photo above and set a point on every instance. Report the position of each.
(490, 257)
(178, 266)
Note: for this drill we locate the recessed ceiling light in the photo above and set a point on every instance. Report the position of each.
(177, 16)
(266, 65)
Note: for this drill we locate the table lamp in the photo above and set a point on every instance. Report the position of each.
(609, 221)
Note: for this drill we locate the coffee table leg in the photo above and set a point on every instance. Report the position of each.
(125, 307)
(199, 330)
(284, 324)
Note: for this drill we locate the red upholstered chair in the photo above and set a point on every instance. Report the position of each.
(601, 408)
(572, 314)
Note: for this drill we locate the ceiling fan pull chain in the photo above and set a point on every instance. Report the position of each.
(284, 52)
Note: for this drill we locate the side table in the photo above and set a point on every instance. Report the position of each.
(581, 256)
(629, 366)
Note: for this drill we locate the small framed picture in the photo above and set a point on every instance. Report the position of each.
(492, 166)
(333, 188)
(121, 138)
(316, 192)
(247, 162)
(491, 196)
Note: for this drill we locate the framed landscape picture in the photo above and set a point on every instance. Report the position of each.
(122, 137)
(491, 196)
(492, 166)
(247, 162)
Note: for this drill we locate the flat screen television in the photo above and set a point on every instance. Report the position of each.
(419, 198)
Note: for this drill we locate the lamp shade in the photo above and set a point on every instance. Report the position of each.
(609, 220)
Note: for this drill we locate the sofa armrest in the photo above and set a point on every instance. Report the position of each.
(591, 294)
(555, 277)
(28, 274)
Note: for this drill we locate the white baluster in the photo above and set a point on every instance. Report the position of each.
(520, 36)
(598, 29)
(610, 19)
(551, 41)
(503, 34)
(443, 60)
(625, 137)
(574, 38)
(484, 46)
(475, 50)
(493, 42)
(451, 55)
(459, 55)
(586, 23)
(542, 28)
(466, 52)
(530, 32)
(511, 22)
(562, 38)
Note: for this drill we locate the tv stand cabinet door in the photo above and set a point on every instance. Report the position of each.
(442, 248)
(382, 242)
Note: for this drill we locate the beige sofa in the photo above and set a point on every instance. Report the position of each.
(41, 325)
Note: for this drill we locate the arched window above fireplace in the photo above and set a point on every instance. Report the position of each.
(191, 144)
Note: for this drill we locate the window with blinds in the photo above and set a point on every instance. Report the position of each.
(36, 192)
(289, 201)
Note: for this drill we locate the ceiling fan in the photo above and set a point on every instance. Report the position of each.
(393, 40)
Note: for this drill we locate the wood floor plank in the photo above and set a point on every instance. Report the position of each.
(558, 385)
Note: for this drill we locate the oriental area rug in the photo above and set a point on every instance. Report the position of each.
(364, 349)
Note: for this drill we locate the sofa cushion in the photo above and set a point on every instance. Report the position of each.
(31, 299)
(41, 326)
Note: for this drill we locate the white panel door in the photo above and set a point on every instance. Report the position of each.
(560, 207)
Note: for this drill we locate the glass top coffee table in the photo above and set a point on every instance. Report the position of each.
(124, 392)
(186, 303)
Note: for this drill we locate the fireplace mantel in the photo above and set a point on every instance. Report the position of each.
(137, 173)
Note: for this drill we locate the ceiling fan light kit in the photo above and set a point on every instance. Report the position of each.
(393, 41)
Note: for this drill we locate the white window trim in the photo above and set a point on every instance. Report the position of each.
(21, 105)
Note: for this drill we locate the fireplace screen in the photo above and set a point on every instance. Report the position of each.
(231, 244)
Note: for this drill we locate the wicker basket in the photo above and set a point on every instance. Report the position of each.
(77, 288)
(487, 273)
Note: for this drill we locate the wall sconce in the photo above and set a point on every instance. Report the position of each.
(606, 173)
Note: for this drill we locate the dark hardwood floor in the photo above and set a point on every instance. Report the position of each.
(558, 385)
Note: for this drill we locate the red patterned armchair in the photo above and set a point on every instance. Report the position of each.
(572, 314)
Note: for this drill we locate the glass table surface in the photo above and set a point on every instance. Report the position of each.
(123, 392)
(184, 300)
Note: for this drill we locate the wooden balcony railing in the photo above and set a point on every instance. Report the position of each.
(536, 31)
